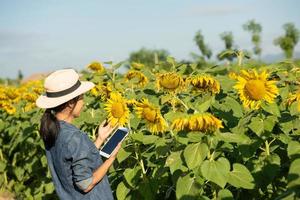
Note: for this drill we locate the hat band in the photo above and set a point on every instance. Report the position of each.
(64, 92)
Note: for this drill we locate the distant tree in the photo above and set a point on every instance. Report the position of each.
(255, 29)
(289, 40)
(227, 37)
(20, 75)
(148, 57)
(205, 50)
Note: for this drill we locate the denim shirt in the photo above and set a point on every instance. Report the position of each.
(72, 161)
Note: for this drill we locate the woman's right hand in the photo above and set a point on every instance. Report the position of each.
(115, 152)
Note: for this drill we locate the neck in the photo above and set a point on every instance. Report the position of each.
(65, 117)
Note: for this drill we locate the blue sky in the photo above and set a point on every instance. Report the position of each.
(40, 35)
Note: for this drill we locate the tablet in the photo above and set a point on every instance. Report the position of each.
(118, 136)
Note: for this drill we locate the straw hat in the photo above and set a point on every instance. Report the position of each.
(62, 86)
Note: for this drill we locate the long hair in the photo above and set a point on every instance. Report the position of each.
(49, 128)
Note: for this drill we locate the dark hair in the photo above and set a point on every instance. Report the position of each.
(49, 128)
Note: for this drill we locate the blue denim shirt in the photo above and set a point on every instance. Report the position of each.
(72, 161)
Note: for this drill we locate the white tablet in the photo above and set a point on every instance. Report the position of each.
(118, 136)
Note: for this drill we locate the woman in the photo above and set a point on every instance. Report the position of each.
(74, 160)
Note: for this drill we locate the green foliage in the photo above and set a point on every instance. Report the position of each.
(289, 40)
(149, 57)
(205, 50)
(255, 156)
(255, 29)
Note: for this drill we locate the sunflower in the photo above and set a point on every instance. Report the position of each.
(8, 107)
(181, 123)
(254, 88)
(13, 94)
(233, 75)
(118, 112)
(137, 66)
(133, 74)
(294, 98)
(132, 102)
(30, 97)
(205, 83)
(204, 122)
(171, 82)
(96, 67)
(151, 114)
(103, 90)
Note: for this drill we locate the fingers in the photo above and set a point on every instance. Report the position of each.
(103, 123)
(118, 147)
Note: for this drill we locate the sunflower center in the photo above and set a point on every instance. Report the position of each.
(117, 110)
(255, 89)
(170, 82)
(149, 114)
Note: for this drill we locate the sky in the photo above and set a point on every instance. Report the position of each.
(45, 35)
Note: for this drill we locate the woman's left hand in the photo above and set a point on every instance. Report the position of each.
(104, 130)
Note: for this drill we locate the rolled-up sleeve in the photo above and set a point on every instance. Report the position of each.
(80, 154)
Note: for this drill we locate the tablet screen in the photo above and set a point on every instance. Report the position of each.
(113, 141)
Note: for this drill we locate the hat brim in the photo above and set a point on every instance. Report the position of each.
(50, 102)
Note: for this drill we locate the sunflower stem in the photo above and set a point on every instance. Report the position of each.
(185, 106)
(141, 162)
(267, 147)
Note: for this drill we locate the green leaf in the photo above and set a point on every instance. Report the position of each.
(257, 125)
(2, 166)
(150, 139)
(122, 191)
(216, 171)
(132, 176)
(234, 106)
(234, 138)
(269, 123)
(241, 177)
(174, 162)
(123, 155)
(19, 172)
(187, 187)
(271, 108)
(294, 108)
(294, 174)
(225, 194)
(205, 104)
(137, 136)
(194, 154)
(293, 149)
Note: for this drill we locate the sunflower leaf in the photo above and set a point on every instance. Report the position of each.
(194, 154)
(241, 177)
(216, 171)
(187, 186)
(257, 125)
(271, 108)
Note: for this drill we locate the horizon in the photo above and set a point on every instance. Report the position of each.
(44, 36)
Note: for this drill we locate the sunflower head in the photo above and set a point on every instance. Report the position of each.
(294, 98)
(7, 107)
(232, 75)
(103, 90)
(205, 83)
(151, 115)
(171, 82)
(30, 97)
(118, 112)
(142, 80)
(96, 67)
(204, 122)
(254, 88)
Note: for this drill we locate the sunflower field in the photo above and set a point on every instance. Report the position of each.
(197, 132)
